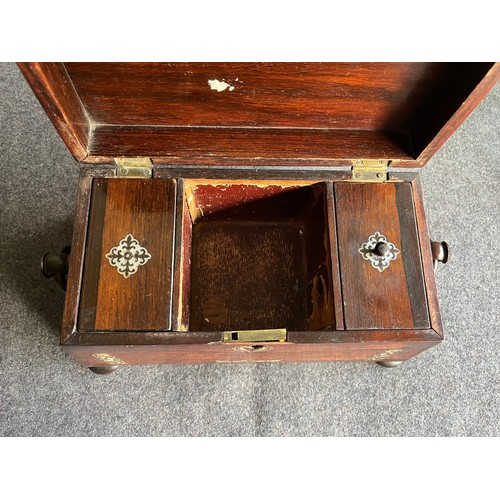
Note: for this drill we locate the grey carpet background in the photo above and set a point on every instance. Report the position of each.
(450, 390)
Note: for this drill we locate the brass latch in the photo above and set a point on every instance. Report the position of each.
(276, 335)
(134, 168)
(370, 170)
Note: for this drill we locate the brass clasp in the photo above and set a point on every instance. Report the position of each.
(272, 335)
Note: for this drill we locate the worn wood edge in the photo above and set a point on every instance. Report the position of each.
(229, 353)
(412, 268)
(76, 260)
(213, 146)
(427, 262)
(195, 173)
(201, 338)
(364, 336)
(192, 184)
(78, 246)
(334, 257)
(465, 109)
(235, 162)
(43, 82)
(89, 288)
(194, 211)
(178, 257)
(172, 206)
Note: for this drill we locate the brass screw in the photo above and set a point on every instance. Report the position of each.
(380, 175)
(124, 171)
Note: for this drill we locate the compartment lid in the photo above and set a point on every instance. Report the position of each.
(262, 114)
(127, 269)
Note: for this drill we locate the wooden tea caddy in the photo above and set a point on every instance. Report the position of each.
(252, 212)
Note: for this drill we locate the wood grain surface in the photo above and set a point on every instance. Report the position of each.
(267, 114)
(247, 276)
(264, 95)
(249, 146)
(77, 255)
(55, 91)
(109, 300)
(427, 262)
(362, 349)
(396, 297)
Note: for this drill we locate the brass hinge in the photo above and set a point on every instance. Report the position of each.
(370, 170)
(273, 335)
(134, 168)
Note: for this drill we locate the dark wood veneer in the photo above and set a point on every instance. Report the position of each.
(145, 209)
(248, 146)
(265, 95)
(56, 93)
(304, 114)
(278, 352)
(395, 297)
(426, 254)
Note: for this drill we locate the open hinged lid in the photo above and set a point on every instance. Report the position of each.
(262, 114)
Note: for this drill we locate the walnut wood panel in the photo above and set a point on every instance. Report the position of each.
(394, 298)
(142, 301)
(253, 353)
(249, 146)
(54, 89)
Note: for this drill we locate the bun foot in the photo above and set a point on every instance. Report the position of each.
(389, 364)
(103, 370)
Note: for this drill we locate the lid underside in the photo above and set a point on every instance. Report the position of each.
(304, 114)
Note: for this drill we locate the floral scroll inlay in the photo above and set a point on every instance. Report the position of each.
(369, 251)
(128, 255)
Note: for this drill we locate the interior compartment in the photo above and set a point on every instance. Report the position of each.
(260, 256)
